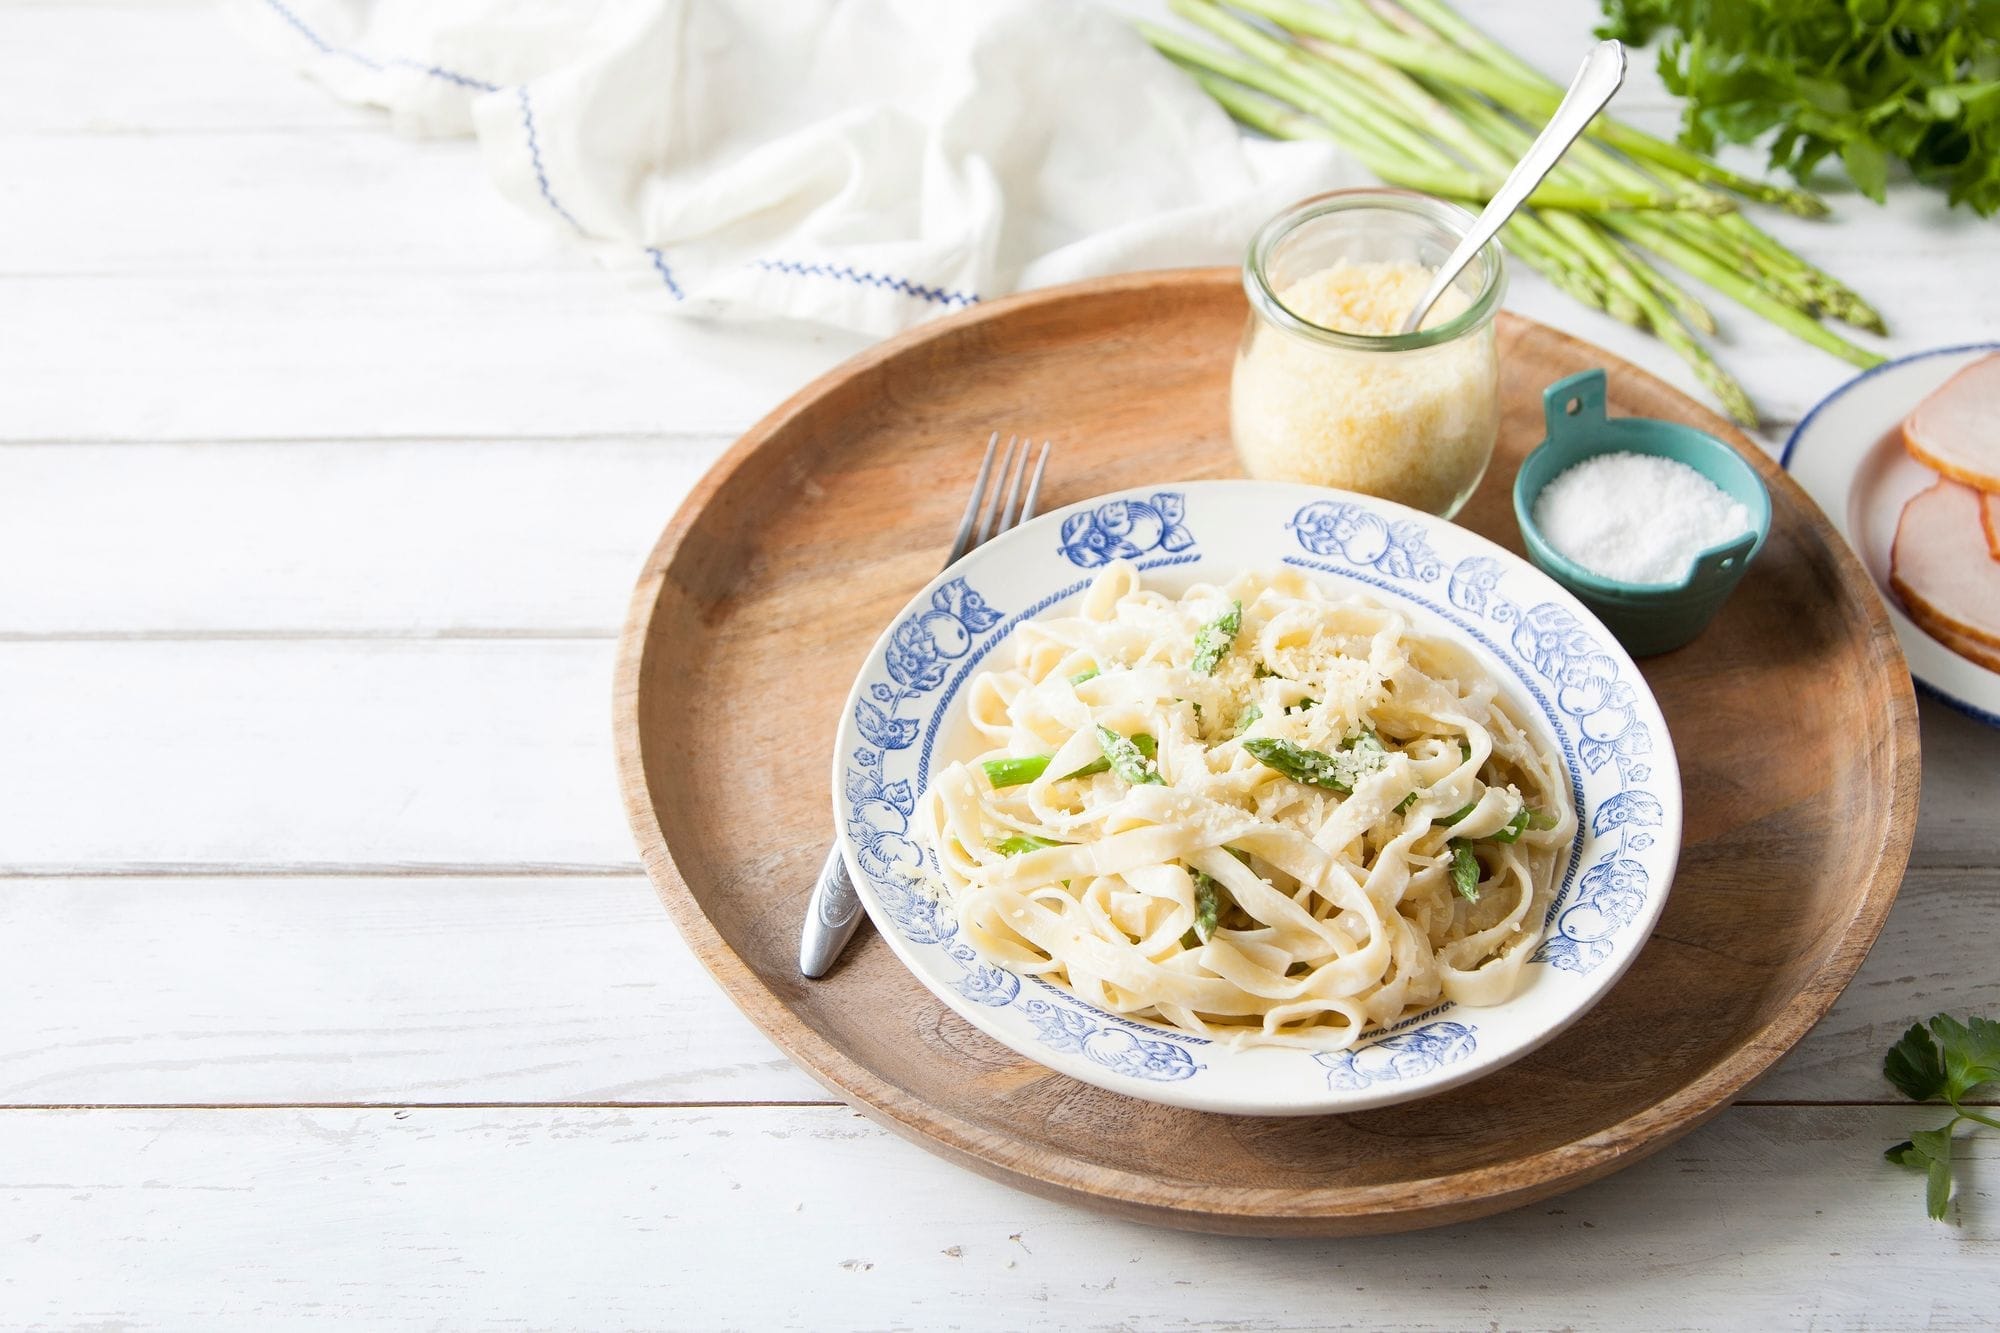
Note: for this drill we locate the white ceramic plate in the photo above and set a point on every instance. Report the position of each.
(1848, 455)
(906, 716)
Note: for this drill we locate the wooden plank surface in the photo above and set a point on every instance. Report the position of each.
(353, 537)
(310, 754)
(330, 989)
(294, 274)
(273, 989)
(808, 1217)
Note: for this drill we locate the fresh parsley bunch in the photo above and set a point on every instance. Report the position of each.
(1951, 1060)
(1867, 80)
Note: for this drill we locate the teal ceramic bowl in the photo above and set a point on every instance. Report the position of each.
(1648, 618)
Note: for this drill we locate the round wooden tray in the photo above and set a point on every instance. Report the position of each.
(1793, 715)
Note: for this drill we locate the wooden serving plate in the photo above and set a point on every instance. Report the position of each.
(1793, 715)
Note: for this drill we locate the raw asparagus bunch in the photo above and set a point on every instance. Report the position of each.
(1426, 101)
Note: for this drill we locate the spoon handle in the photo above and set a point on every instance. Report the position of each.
(1598, 77)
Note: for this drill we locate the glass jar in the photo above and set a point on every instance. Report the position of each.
(1326, 392)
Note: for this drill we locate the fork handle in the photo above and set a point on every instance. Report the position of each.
(832, 914)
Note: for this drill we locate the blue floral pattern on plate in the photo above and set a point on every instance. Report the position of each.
(1405, 1055)
(1603, 710)
(1363, 537)
(1593, 702)
(1126, 530)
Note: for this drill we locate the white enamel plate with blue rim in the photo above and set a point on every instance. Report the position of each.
(1848, 456)
(906, 718)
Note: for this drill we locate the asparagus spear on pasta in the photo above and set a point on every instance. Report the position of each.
(1209, 897)
(1213, 641)
(1465, 870)
(1020, 771)
(1018, 843)
(1126, 758)
(1316, 768)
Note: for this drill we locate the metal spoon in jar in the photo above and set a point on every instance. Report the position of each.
(1599, 76)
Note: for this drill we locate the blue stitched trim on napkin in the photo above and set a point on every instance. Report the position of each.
(535, 157)
(666, 274)
(299, 25)
(838, 272)
(861, 278)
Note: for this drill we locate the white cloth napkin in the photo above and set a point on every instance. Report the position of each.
(859, 163)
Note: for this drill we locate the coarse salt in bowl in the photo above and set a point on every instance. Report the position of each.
(1637, 518)
(1648, 614)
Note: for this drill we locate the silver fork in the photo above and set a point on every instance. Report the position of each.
(834, 911)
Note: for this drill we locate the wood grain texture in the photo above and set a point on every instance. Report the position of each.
(542, 537)
(535, 989)
(331, 990)
(808, 531)
(811, 1218)
(398, 755)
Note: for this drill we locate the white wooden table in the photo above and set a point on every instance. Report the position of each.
(330, 988)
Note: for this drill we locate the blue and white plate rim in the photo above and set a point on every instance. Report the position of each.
(1799, 432)
(1612, 891)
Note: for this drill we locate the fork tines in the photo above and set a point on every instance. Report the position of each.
(990, 510)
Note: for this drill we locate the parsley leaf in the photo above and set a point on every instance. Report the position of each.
(1949, 1060)
(1867, 82)
(1935, 1147)
(1916, 1066)
(1971, 1053)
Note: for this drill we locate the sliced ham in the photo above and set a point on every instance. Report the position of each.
(1940, 568)
(1989, 518)
(1972, 650)
(1957, 429)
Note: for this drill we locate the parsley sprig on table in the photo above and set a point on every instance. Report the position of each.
(1869, 81)
(1949, 1061)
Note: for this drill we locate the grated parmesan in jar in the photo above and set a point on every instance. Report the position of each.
(1416, 425)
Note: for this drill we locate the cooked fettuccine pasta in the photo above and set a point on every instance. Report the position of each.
(1254, 812)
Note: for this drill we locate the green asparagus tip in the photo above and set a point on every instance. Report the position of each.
(1736, 402)
(1802, 203)
(1699, 315)
(1857, 312)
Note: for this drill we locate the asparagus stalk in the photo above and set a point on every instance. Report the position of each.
(1617, 282)
(1746, 291)
(1398, 84)
(1512, 139)
(1290, 72)
(1717, 273)
(1294, 74)
(1333, 99)
(1535, 97)
(1840, 300)
(1265, 113)
(1814, 287)
(1431, 116)
(1441, 18)
(1270, 116)
(1734, 239)
(1674, 334)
